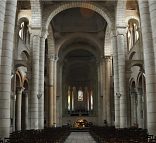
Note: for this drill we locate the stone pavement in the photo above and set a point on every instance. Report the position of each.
(80, 137)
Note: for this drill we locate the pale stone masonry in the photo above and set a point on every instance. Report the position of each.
(41, 82)
(150, 73)
(48, 46)
(5, 66)
(35, 79)
(121, 70)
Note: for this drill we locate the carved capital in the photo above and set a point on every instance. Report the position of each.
(53, 57)
(121, 30)
(19, 89)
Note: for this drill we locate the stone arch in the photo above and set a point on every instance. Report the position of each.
(18, 79)
(25, 83)
(23, 30)
(135, 18)
(132, 83)
(83, 37)
(64, 6)
(23, 19)
(107, 43)
(26, 53)
(64, 51)
(139, 78)
(101, 11)
(132, 55)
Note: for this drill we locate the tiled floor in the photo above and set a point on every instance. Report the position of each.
(80, 137)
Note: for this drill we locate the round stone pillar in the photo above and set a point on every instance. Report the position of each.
(134, 102)
(2, 13)
(6, 45)
(132, 109)
(18, 107)
(51, 89)
(150, 74)
(139, 108)
(56, 121)
(122, 76)
(152, 9)
(25, 93)
(116, 80)
(41, 82)
(35, 37)
(103, 89)
(108, 88)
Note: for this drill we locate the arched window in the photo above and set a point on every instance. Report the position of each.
(24, 32)
(132, 33)
(69, 92)
(91, 100)
(80, 95)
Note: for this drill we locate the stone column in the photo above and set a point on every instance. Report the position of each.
(132, 109)
(148, 61)
(100, 107)
(152, 99)
(108, 93)
(152, 9)
(116, 81)
(2, 13)
(18, 107)
(35, 78)
(41, 82)
(139, 108)
(122, 76)
(51, 89)
(55, 90)
(6, 64)
(26, 109)
(29, 95)
(103, 89)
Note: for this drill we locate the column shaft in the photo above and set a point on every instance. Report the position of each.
(18, 108)
(55, 91)
(148, 61)
(116, 82)
(103, 89)
(6, 63)
(2, 13)
(108, 93)
(51, 90)
(35, 81)
(41, 85)
(132, 110)
(121, 70)
(152, 9)
(26, 111)
(139, 110)
(100, 89)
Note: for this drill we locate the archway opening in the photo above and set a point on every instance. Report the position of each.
(79, 83)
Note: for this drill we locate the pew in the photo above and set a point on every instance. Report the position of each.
(47, 135)
(124, 135)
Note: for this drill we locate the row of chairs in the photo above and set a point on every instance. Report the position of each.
(47, 135)
(5, 140)
(124, 135)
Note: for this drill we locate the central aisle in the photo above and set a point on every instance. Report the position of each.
(80, 137)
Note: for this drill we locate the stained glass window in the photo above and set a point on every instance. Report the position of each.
(80, 95)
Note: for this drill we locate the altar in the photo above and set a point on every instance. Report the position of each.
(81, 123)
